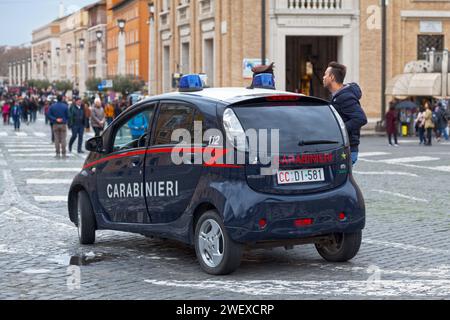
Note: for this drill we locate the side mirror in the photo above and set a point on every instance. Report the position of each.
(95, 145)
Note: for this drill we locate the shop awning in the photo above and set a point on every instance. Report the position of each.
(399, 85)
(415, 84)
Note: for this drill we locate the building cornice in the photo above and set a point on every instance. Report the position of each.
(429, 14)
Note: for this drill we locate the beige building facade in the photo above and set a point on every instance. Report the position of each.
(222, 38)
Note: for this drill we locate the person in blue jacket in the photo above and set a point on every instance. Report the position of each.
(346, 100)
(59, 117)
(16, 113)
(138, 126)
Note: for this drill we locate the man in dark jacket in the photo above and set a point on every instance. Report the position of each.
(77, 122)
(59, 117)
(346, 100)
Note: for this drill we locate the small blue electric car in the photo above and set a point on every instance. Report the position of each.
(142, 176)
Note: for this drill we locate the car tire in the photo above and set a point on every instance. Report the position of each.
(342, 248)
(86, 223)
(216, 252)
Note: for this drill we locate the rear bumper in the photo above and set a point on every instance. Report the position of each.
(281, 212)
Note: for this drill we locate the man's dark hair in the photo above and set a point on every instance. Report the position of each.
(339, 71)
(59, 98)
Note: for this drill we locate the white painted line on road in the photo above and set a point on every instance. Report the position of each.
(440, 168)
(443, 168)
(32, 150)
(49, 181)
(3, 134)
(372, 154)
(36, 271)
(36, 154)
(391, 288)
(35, 145)
(40, 134)
(387, 173)
(404, 246)
(410, 160)
(21, 134)
(51, 169)
(50, 198)
(399, 195)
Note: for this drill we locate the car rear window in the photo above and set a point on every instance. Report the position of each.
(296, 124)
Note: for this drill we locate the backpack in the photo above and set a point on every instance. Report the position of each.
(435, 118)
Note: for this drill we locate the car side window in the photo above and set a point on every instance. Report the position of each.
(133, 131)
(173, 116)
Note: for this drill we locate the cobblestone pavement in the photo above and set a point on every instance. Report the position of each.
(405, 251)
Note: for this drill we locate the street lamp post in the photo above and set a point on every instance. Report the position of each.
(29, 77)
(82, 79)
(121, 67)
(263, 32)
(69, 62)
(152, 47)
(99, 55)
(383, 59)
(41, 57)
(49, 66)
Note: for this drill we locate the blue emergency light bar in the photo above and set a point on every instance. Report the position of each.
(190, 83)
(264, 81)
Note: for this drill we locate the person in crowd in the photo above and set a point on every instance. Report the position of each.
(59, 116)
(420, 125)
(16, 114)
(77, 123)
(392, 125)
(441, 122)
(98, 117)
(429, 124)
(109, 113)
(88, 113)
(5, 112)
(346, 100)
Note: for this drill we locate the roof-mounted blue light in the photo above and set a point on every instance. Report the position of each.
(264, 81)
(190, 83)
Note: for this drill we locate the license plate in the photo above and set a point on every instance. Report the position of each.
(300, 176)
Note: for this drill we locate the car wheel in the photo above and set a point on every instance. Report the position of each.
(85, 219)
(216, 252)
(342, 247)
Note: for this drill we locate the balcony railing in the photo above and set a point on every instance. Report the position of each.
(314, 5)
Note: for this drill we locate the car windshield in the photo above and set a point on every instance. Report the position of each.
(302, 128)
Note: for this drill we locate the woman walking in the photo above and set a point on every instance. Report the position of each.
(391, 126)
(429, 124)
(5, 112)
(420, 125)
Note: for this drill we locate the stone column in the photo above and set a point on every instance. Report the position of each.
(19, 73)
(24, 71)
(10, 74)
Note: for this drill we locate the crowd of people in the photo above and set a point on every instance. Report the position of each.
(62, 114)
(431, 122)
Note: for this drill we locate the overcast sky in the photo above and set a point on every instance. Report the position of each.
(20, 17)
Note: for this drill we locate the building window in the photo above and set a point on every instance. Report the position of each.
(185, 59)
(425, 42)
